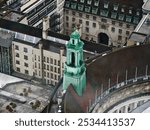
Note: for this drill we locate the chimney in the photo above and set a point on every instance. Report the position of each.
(79, 28)
(45, 27)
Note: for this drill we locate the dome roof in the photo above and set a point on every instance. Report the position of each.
(100, 70)
(75, 35)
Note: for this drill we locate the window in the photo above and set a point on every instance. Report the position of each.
(67, 24)
(39, 66)
(113, 29)
(17, 54)
(67, 11)
(55, 70)
(80, 21)
(25, 57)
(35, 57)
(96, 2)
(38, 58)
(119, 38)
(58, 62)
(120, 31)
(82, 1)
(25, 64)
(44, 66)
(44, 59)
(106, 4)
(127, 32)
(55, 77)
(47, 59)
(47, 74)
(89, 2)
(87, 38)
(104, 20)
(94, 17)
(120, 24)
(47, 67)
(128, 26)
(113, 22)
(87, 23)
(16, 47)
(51, 68)
(94, 25)
(103, 26)
(80, 14)
(73, 25)
(25, 50)
(59, 70)
(26, 72)
(17, 62)
(87, 16)
(51, 75)
(73, 19)
(87, 29)
(73, 13)
(55, 62)
(51, 60)
(35, 65)
(18, 69)
(67, 18)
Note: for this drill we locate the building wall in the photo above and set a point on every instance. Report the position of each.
(92, 25)
(45, 65)
(22, 58)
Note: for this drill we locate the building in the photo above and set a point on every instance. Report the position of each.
(5, 53)
(103, 21)
(35, 10)
(20, 96)
(39, 54)
(141, 34)
(118, 82)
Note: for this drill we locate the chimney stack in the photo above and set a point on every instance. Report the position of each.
(45, 27)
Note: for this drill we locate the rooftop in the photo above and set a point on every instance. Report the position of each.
(13, 16)
(139, 37)
(122, 10)
(146, 6)
(34, 35)
(144, 25)
(5, 39)
(23, 97)
(5, 79)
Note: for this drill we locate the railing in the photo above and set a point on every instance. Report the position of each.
(126, 82)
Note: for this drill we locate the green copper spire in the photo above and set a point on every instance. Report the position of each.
(75, 71)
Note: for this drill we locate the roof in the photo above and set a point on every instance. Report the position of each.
(24, 97)
(36, 32)
(144, 25)
(114, 9)
(104, 70)
(5, 79)
(139, 37)
(146, 6)
(5, 39)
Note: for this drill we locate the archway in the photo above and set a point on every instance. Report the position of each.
(103, 38)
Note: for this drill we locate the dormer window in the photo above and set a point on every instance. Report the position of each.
(137, 13)
(96, 3)
(122, 10)
(116, 7)
(82, 1)
(130, 11)
(89, 2)
(106, 4)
